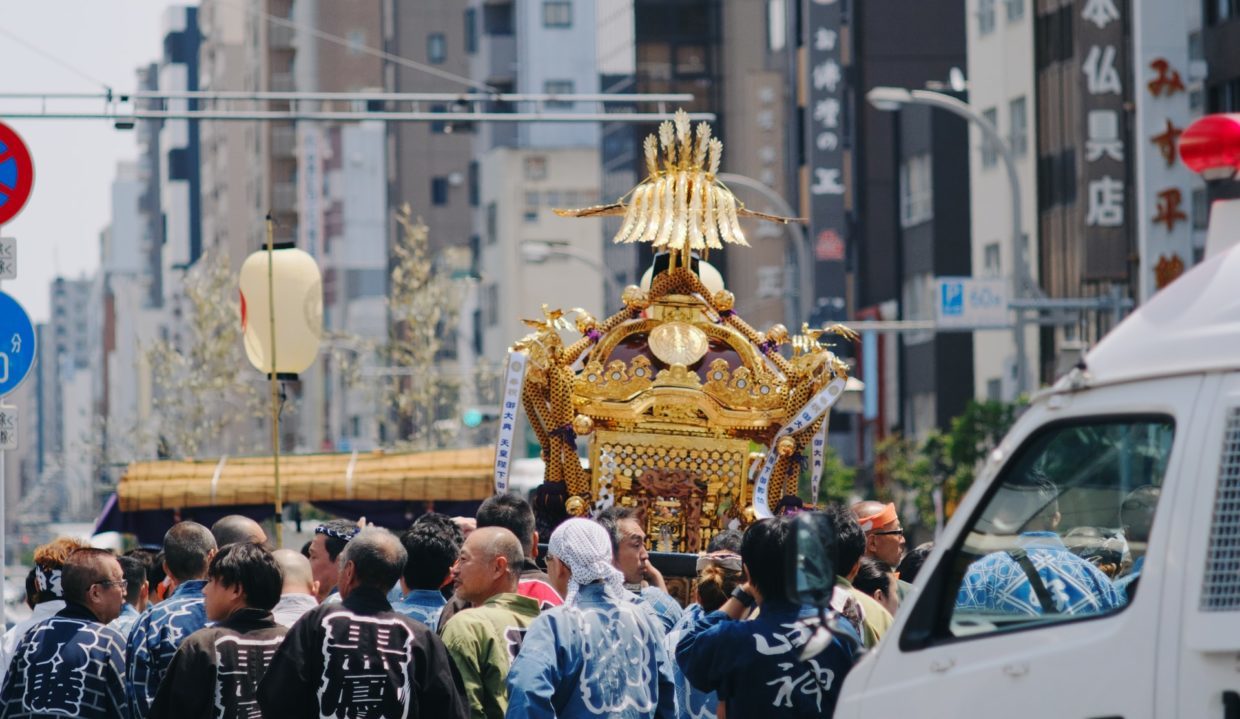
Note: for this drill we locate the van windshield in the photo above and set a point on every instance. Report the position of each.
(1064, 533)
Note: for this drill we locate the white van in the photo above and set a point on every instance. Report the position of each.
(1138, 448)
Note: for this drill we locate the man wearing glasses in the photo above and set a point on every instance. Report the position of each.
(71, 664)
(884, 536)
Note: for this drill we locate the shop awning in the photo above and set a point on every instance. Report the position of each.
(444, 475)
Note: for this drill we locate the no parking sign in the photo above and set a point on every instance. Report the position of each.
(16, 173)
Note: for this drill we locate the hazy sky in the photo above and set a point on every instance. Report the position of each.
(74, 160)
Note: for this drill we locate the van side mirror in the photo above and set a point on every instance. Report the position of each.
(810, 571)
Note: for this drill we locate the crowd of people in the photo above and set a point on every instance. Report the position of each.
(454, 617)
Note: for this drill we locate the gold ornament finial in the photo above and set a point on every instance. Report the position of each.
(575, 506)
(680, 205)
(635, 298)
(582, 425)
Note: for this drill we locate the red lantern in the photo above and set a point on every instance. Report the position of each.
(1211, 146)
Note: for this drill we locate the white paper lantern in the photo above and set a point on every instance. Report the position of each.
(298, 310)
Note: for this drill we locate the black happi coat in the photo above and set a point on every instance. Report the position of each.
(68, 665)
(215, 672)
(358, 658)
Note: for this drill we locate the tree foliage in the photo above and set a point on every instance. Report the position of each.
(943, 460)
(207, 400)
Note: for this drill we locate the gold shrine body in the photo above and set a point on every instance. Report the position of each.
(678, 398)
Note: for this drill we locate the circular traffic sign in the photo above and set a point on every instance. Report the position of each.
(17, 344)
(16, 173)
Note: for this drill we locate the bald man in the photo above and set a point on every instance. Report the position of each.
(357, 657)
(300, 592)
(237, 528)
(484, 640)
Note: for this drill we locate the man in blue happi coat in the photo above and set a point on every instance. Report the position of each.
(601, 653)
(432, 551)
(629, 555)
(1040, 576)
(70, 664)
(756, 666)
(153, 641)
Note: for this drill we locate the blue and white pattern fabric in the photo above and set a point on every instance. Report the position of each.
(124, 623)
(1125, 584)
(668, 610)
(424, 605)
(600, 655)
(154, 641)
(14, 636)
(996, 583)
(693, 703)
(69, 665)
(754, 665)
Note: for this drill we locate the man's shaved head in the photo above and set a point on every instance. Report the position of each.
(492, 542)
(478, 574)
(237, 528)
(298, 578)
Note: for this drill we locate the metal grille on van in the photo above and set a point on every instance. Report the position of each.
(1221, 589)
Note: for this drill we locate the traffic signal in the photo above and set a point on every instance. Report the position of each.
(474, 416)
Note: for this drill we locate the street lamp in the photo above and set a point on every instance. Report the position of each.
(537, 252)
(800, 311)
(889, 99)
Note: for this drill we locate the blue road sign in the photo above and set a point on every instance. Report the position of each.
(17, 344)
(952, 299)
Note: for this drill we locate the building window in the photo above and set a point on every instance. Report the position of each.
(531, 207)
(436, 48)
(492, 223)
(471, 31)
(990, 153)
(357, 41)
(690, 60)
(474, 193)
(439, 191)
(557, 13)
(985, 16)
(1019, 138)
(916, 191)
(1218, 11)
(490, 307)
(438, 127)
(497, 19)
(1201, 209)
(918, 304)
(535, 167)
(991, 265)
(776, 25)
(558, 87)
(1015, 10)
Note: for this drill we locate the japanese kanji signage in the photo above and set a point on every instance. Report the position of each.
(8, 258)
(1164, 187)
(1103, 192)
(8, 427)
(827, 138)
